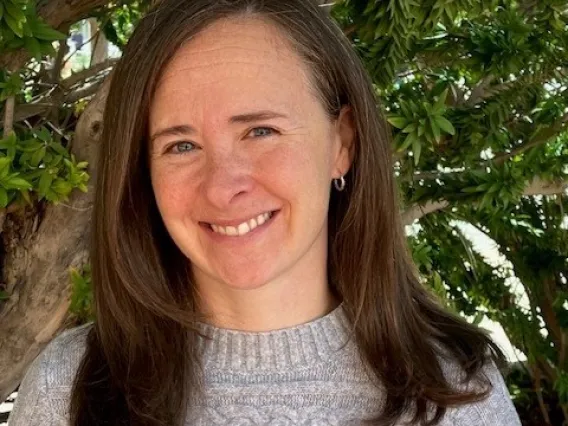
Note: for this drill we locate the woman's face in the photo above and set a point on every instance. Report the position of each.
(243, 156)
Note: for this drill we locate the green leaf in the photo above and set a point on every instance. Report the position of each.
(53, 197)
(6, 33)
(445, 125)
(57, 147)
(43, 134)
(397, 121)
(15, 26)
(3, 197)
(561, 386)
(43, 31)
(18, 183)
(416, 150)
(27, 29)
(5, 163)
(13, 84)
(45, 183)
(55, 161)
(421, 128)
(30, 146)
(440, 104)
(494, 188)
(14, 12)
(26, 196)
(14, 44)
(410, 138)
(435, 129)
(410, 128)
(4, 295)
(61, 187)
(33, 46)
(37, 156)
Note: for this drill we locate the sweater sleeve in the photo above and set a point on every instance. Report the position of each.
(496, 410)
(32, 407)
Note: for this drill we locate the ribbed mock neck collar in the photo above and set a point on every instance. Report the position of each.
(271, 351)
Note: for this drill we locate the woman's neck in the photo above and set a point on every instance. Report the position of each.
(262, 310)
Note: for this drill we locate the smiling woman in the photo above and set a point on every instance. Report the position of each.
(249, 262)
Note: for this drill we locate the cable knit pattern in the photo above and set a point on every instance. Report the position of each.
(308, 375)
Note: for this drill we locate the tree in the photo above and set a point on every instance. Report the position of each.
(476, 94)
(51, 127)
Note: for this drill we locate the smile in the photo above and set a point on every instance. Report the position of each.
(243, 228)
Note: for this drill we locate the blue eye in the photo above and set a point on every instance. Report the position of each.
(182, 147)
(262, 132)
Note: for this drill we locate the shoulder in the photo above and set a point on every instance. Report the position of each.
(46, 386)
(496, 409)
(60, 359)
(63, 354)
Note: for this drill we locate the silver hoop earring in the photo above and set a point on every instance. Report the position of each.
(339, 183)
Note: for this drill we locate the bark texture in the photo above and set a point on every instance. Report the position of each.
(38, 246)
(39, 249)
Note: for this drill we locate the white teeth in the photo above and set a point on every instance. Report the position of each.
(243, 228)
(232, 231)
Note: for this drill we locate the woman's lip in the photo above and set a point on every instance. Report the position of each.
(236, 222)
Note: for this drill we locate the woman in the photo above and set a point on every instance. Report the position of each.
(249, 262)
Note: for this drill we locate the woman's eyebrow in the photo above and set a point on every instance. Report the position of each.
(186, 129)
(178, 130)
(256, 116)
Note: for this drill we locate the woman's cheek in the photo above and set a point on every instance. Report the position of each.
(173, 188)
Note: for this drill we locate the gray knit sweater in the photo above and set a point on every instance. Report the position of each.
(296, 376)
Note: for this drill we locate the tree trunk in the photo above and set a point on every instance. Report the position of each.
(99, 52)
(39, 249)
(38, 246)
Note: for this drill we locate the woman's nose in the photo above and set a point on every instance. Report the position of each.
(226, 179)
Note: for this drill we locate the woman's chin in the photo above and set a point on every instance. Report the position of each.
(245, 281)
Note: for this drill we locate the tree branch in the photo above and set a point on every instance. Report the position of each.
(84, 75)
(419, 210)
(72, 93)
(540, 138)
(8, 121)
(541, 187)
(55, 72)
(83, 92)
(536, 187)
(478, 92)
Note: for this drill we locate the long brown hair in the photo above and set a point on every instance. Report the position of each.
(141, 365)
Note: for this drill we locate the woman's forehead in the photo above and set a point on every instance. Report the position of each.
(235, 49)
(234, 65)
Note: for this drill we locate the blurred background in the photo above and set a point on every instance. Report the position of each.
(475, 92)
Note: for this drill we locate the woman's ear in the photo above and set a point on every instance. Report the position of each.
(345, 134)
